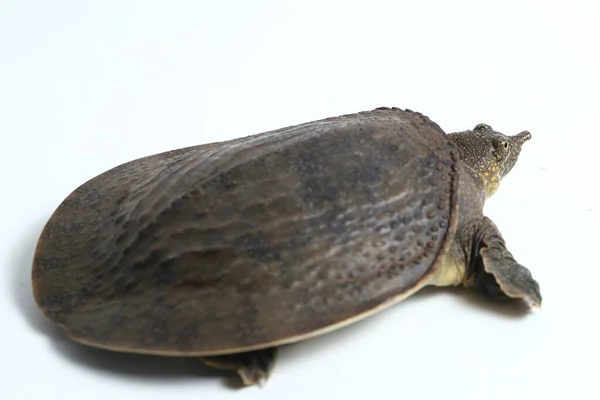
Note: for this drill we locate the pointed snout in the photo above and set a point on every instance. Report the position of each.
(522, 137)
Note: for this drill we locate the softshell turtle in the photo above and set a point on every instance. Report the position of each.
(227, 250)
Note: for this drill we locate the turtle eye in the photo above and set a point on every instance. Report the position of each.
(500, 147)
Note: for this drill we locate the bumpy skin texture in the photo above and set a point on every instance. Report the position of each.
(489, 155)
(237, 245)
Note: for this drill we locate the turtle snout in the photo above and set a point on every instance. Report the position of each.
(523, 136)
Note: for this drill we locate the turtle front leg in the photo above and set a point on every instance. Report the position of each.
(497, 273)
(253, 367)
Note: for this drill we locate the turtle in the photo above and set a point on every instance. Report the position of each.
(228, 251)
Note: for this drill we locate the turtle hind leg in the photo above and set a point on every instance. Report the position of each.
(498, 273)
(253, 367)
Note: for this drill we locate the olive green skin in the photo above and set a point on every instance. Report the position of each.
(252, 242)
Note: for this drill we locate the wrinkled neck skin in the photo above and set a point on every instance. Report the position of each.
(459, 264)
(475, 157)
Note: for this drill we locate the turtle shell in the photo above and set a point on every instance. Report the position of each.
(254, 242)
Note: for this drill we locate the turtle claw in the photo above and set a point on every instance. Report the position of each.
(252, 375)
(253, 368)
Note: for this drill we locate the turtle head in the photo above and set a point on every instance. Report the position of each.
(490, 154)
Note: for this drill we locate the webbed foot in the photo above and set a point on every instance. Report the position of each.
(502, 275)
(253, 367)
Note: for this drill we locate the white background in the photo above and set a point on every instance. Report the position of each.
(85, 86)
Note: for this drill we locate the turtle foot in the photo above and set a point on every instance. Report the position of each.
(513, 279)
(501, 275)
(253, 367)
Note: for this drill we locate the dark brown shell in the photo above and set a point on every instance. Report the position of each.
(252, 242)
